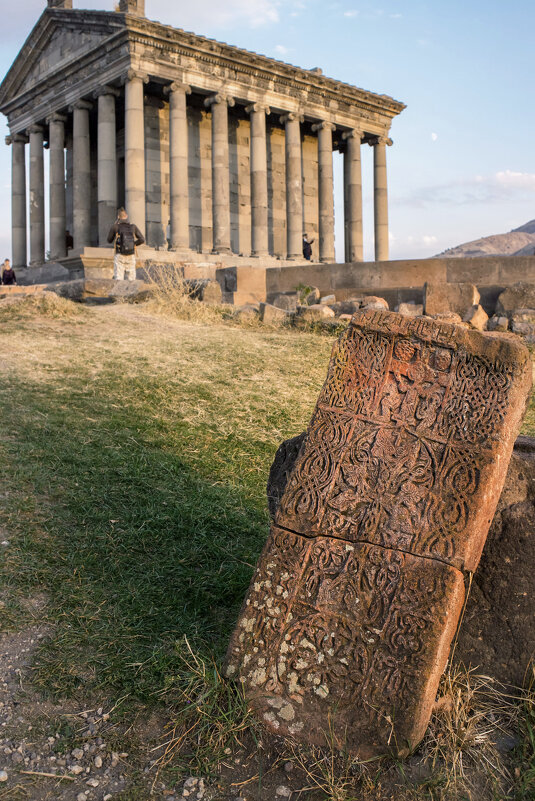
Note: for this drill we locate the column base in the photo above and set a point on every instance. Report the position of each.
(221, 251)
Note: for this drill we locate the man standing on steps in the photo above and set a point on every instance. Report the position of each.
(126, 237)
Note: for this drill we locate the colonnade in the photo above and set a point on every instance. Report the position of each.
(79, 162)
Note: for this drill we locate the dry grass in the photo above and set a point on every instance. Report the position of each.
(171, 296)
(30, 307)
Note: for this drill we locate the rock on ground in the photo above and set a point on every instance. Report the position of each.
(445, 298)
(518, 296)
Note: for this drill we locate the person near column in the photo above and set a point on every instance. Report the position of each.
(307, 247)
(8, 274)
(126, 237)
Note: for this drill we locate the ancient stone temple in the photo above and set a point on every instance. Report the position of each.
(348, 622)
(211, 148)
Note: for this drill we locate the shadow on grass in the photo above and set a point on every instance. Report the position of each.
(135, 549)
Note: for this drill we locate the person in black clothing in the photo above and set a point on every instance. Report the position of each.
(69, 241)
(8, 273)
(307, 247)
(126, 237)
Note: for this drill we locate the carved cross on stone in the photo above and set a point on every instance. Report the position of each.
(348, 622)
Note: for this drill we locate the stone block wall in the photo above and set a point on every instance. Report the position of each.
(276, 169)
(310, 188)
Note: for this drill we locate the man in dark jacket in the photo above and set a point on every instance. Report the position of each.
(126, 237)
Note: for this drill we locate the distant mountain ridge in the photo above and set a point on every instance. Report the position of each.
(518, 242)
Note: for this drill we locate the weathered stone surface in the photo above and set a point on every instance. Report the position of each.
(477, 317)
(309, 295)
(524, 329)
(349, 618)
(315, 312)
(411, 309)
(129, 291)
(448, 317)
(286, 302)
(373, 302)
(72, 290)
(523, 316)
(206, 290)
(498, 323)
(444, 298)
(345, 307)
(328, 300)
(517, 296)
(271, 315)
(498, 632)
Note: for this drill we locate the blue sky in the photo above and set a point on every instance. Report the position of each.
(463, 161)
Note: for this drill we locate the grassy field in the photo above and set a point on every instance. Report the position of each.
(135, 451)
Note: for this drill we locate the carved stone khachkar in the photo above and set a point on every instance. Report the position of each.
(348, 622)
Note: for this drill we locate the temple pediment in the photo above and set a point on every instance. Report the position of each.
(57, 43)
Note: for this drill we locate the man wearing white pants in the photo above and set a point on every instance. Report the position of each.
(126, 237)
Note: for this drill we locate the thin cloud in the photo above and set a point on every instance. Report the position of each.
(434, 136)
(351, 13)
(478, 189)
(281, 50)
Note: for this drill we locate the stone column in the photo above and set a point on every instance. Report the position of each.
(294, 186)
(380, 197)
(68, 181)
(353, 196)
(220, 171)
(325, 190)
(81, 178)
(259, 182)
(106, 162)
(37, 196)
(178, 165)
(18, 199)
(134, 147)
(57, 204)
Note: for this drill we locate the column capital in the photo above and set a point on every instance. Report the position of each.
(177, 86)
(104, 91)
(56, 117)
(35, 129)
(257, 107)
(291, 116)
(324, 125)
(353, 134)
(380, 140)
(13, 139)
(219, 98)
(134, 75)
(81, 105)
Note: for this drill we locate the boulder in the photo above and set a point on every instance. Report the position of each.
(523, 316)
(205, 290)
(477, 318)
(116, 291)
(444, 298)
(498, 632)
(410, 309)
(286, 302)
(498, 323)
(373, 302)
(317, 311)
(517, 296)
(448, 317)
(271, 315)
(71, 290)
(328, 300)
(308, 295)
(525, 330)
(345, 307)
